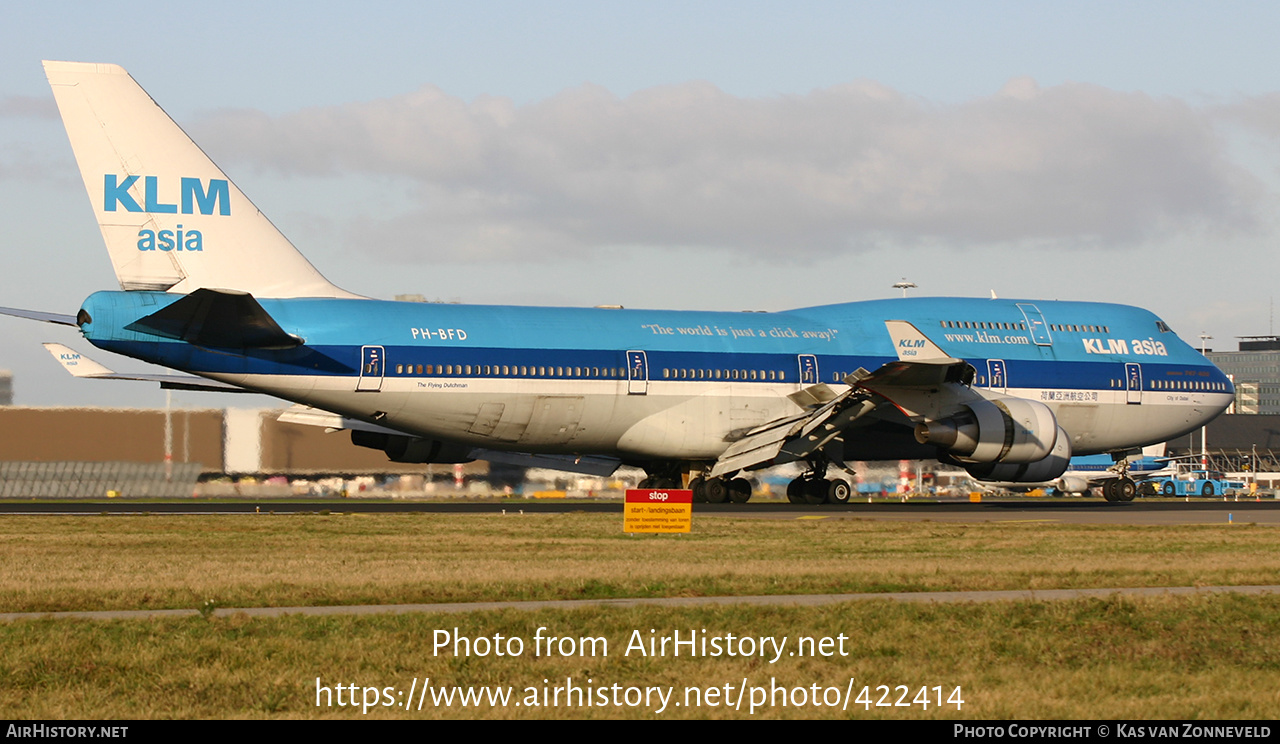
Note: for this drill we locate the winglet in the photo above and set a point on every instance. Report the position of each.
(76, 363)
(913, 346)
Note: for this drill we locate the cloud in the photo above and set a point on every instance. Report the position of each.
(28, 106)
(839, 169)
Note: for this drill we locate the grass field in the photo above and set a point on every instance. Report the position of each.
(1163, 657)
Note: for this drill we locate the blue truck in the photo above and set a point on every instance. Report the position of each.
(1194, 481)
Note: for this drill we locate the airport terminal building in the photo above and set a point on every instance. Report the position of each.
(1255, 370)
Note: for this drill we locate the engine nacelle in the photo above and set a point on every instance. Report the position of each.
(1073, 484)
(1040, 471)
(1009, 430)
(401, 448)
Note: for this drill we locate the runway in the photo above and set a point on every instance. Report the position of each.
(1141, 512)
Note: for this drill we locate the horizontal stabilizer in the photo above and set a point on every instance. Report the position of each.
(220, 319)
(82, 366)
(59, 318)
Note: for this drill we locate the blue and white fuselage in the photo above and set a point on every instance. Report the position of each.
(643, 384)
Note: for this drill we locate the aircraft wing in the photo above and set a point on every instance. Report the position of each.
(587, 465)
(923, 379)
(58, 318)
(80, 365)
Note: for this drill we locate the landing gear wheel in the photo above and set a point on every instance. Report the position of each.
(815, 491)
(717, 490)
(1109, 490)
(739, 490)
(795, 491)
(1125, 489)
(838, 491)
(699, 488)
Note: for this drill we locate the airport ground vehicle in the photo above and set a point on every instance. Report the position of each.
(1191, 480)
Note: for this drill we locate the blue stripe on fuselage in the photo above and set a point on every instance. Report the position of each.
(843, 337)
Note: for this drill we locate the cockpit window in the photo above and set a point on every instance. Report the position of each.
(1163, 327)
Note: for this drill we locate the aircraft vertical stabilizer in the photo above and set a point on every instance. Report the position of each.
(171, 219)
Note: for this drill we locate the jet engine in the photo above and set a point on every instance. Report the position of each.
(401, 448)
(1073, 484)
(1007, 430)
(1045, 469)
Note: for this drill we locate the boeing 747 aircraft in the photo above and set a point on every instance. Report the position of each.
(1008, 389)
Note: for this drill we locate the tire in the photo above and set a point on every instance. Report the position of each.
(717, 490)
(1207, 490)
(699, 488)
(815, 491)
(1125, 489)
(795, 491)
(1168, 490)
(739, 490)
(838, 491)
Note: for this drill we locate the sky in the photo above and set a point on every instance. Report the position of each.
(686, 155)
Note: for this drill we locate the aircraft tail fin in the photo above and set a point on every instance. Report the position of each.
(171, 219)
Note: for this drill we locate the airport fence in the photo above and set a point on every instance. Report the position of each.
(96, 480)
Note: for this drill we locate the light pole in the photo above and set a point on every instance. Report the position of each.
(1204, 430)
(904, 285)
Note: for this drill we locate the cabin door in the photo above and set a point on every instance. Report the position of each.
(996, 379)
(1133, 382)
(373, 363)
(637, 373)
(1035, 323)
(808, 369)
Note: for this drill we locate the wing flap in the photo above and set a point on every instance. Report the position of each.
(794, 437)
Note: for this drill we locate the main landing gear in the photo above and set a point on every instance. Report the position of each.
(809, 489)
(1119, 489)
(720, 490)
(815, 488)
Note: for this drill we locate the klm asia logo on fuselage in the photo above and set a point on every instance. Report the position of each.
(1121, 347)
(194, 197)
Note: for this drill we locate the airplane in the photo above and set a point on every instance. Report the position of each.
(1007, 389)
(1120, 476)
(1113, 475)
